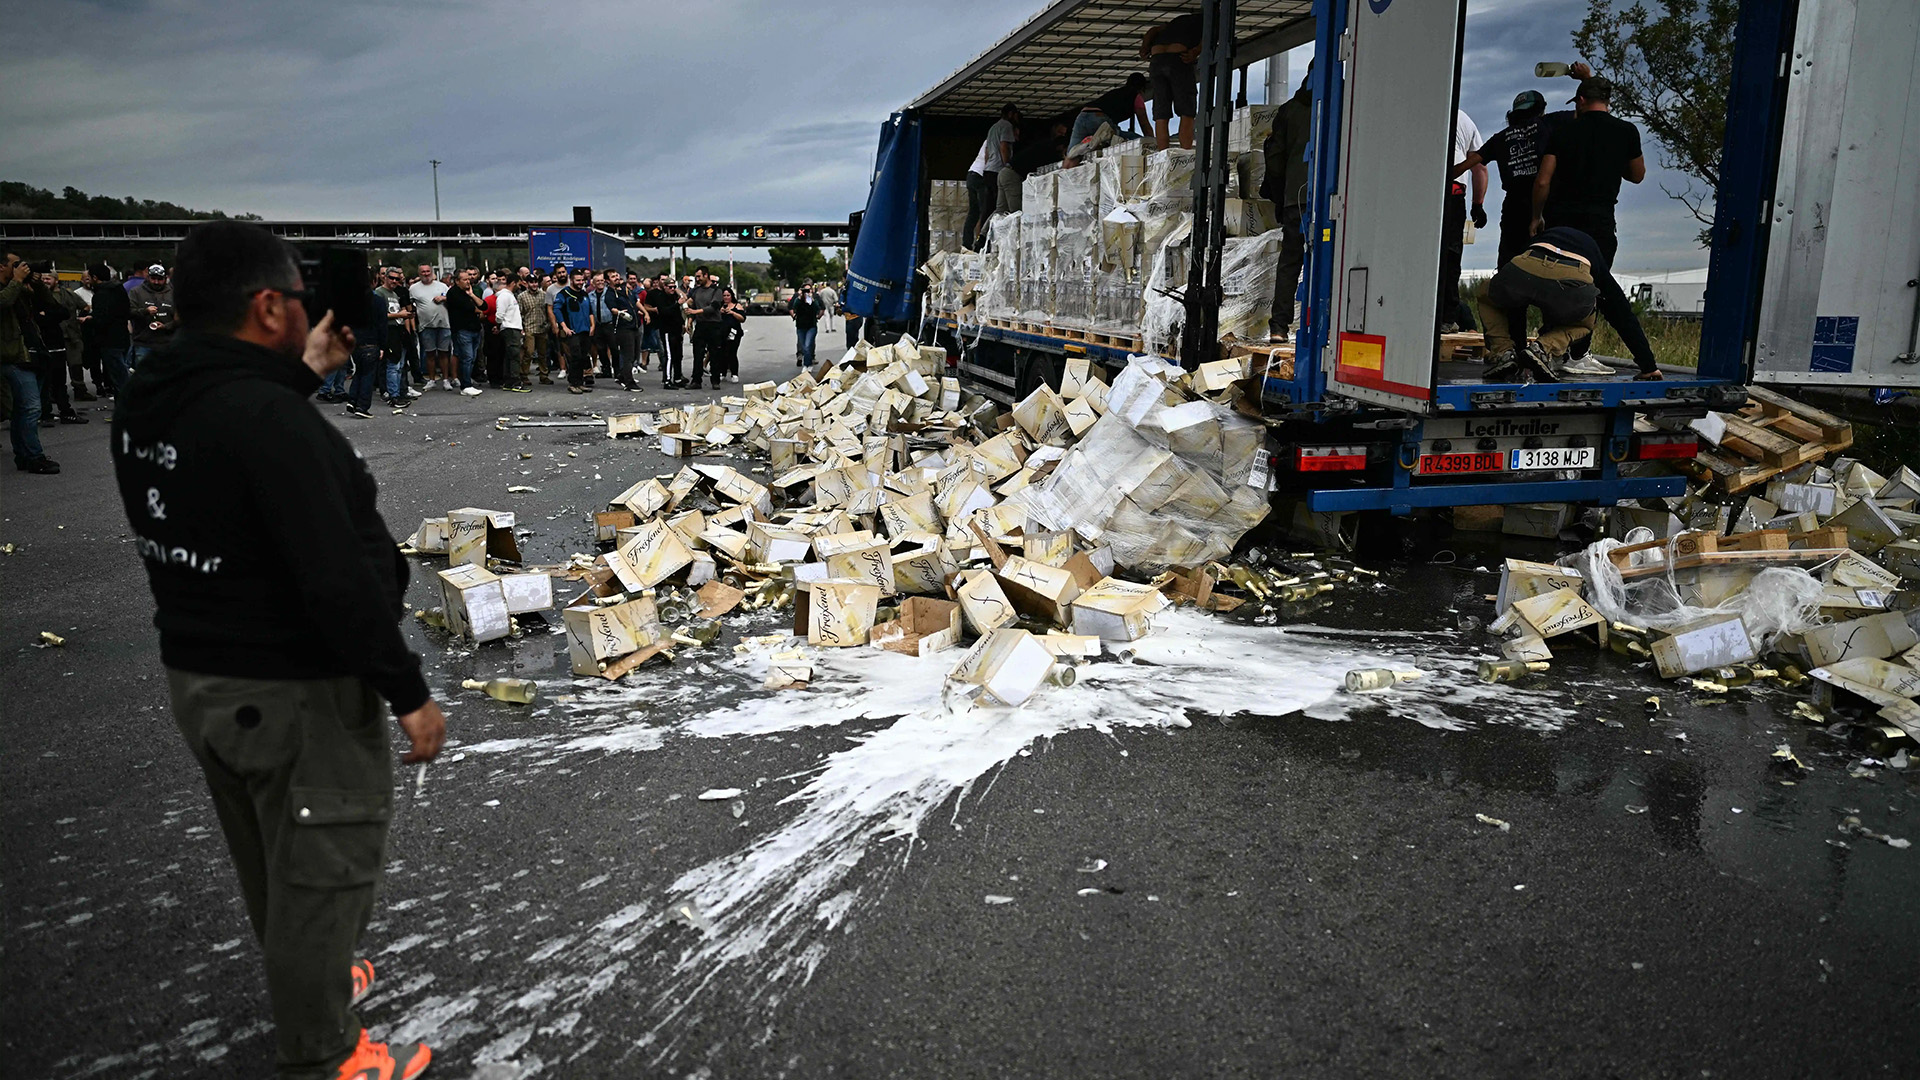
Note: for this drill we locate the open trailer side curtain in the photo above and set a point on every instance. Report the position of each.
(880, 267)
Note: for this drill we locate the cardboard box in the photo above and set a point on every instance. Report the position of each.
(473, 534)
(653, 554)
(922, 568)
(608, 523)
(909, 513)
(983, 602)
(600, 633)
(871, 562)
(1071, 646)
(1697, 646)
(1007, 664)
(1557, 611)
(623, 424)
(527, 593)
(1115, 610)
(646, 499)
(787, 669)
(1868, 527)
(836, 613)
(1543, 520)
(1041, 591)
(1876, 636)
(475, 604)
(431, 539)
(1521, 579)
(926, 625)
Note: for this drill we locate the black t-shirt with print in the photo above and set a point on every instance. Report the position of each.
(666, 306)
(463, 310)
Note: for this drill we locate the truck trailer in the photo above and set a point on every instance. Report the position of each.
(1815, 255)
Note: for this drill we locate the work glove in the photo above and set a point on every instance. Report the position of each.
(1479, 216)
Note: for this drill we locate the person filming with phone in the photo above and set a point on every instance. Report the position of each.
(279, 592)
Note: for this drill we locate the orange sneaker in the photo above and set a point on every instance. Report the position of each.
(379, 1061)
(362, 980)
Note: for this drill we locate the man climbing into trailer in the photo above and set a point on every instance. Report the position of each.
(1453, 222)
(1577, 187)
(1171, 50)
(1556, 274)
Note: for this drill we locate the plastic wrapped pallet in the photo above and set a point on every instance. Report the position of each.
(1160, 485)
(1162, 310)
(1036, 278)
(1170, 172)
(1248, 266)
(1116, 302)
(1000, 269)
(1037, 198)
(1076, 213)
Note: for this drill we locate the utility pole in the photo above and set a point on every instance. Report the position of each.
(439, 253)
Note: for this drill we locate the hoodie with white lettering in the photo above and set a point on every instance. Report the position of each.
(257, 523)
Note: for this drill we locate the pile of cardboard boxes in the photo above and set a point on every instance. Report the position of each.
(897, 512)
(482, 588)
(1816, 583)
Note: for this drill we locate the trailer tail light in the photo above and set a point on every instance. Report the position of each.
(1331, 458)
(1652, 447)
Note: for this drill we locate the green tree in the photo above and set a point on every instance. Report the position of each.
(796, 265)
(1671, 68)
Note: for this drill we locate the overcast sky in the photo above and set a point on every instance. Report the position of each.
(712, 109)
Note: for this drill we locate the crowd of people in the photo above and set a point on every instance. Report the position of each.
(459, 331)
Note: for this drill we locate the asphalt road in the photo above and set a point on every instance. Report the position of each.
(1260, 893)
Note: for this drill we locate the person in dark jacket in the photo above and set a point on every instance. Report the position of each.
(1285, 184)
(279, 591)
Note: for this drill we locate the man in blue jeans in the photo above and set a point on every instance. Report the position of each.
(22, 384)
(463, 314)
(805, 310)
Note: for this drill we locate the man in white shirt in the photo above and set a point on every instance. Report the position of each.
(983, 176)
(436, 330)
(1452, 314)
(506, 316)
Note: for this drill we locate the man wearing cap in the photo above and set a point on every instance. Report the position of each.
(1577, 187)
(151, 303)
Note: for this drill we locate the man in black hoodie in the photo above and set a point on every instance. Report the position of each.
(279, 591)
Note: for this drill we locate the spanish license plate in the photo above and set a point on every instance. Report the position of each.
(1551, 457)
(1446, 464)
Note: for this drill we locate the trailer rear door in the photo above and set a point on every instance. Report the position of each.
(1395, 147)
(1841, 302)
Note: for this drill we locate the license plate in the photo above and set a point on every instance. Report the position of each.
(1462, 463)
(1551, 457)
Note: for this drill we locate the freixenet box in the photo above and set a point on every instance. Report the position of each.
(923, 566)
(475, 604)
(432, 537)
(624, 424)
(473, 534)
(836, 613)
(528, 592)
(645, 499)
(608, 523)
(1521, 579)
(1557, 611)
(909, 513)
(1039, 590)
(1876, 636)
(1008, 665)
(770, 543)
(926, 625)
(870, 561)
(650, 557)
(983, 602)
(1115, 610)
(597, 634)
(1707, 643)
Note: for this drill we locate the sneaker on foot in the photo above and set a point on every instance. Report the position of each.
(571, 389)
(359, 414)
(1534, 358)
(1650, 376)
(72, 418)
(384, 1061)
(471, 391)
(362, 973)
(1504, 366)
(1585, 365)
(545, 381)
(42, 465)
(79, 394)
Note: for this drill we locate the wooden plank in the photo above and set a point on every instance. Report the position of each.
(1826, 421)
(1791, 426)
(1758, 540)
(1734, 559)
(1750, 440)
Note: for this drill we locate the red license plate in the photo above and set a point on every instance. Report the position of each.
(1463, 463)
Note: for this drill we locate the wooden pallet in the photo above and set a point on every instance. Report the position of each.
(1464, 343)
(1762, 547)
(1766, 438)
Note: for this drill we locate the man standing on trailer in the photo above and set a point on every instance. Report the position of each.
(1286, 186)
(983, 176)
(1577, 187)
(1453, 223)
(1171, 50)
